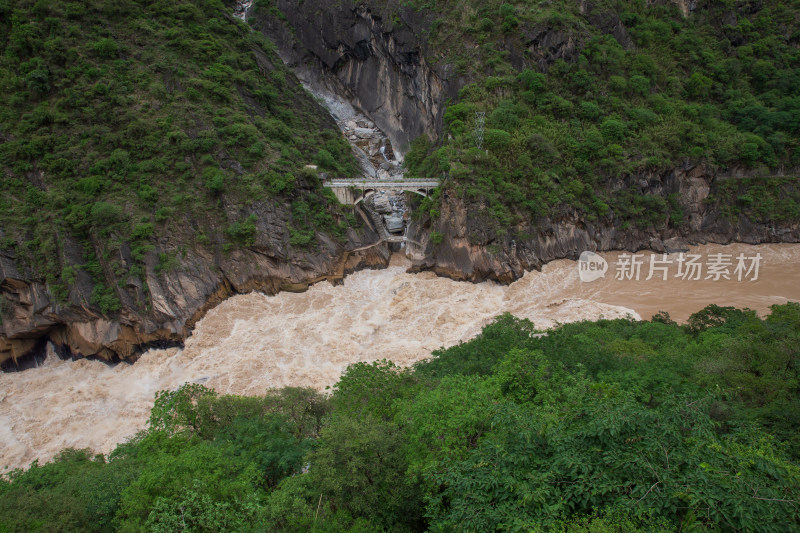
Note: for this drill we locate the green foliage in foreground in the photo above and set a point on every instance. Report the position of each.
(610, 426)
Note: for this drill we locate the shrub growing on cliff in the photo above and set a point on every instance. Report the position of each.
(244, 232)
(325, 160)
(663, 88)
(496, 140)
(101, 130)
(105, 298)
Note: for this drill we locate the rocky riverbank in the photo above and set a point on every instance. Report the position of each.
(469, 249)
(178, 297)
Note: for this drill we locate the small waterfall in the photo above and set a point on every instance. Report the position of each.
(374, 152)
(241, 8)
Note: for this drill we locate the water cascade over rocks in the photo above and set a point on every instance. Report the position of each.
(241, 8)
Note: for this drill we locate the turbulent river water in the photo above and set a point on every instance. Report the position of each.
(253, 342)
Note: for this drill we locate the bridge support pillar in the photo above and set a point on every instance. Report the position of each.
(345, 195)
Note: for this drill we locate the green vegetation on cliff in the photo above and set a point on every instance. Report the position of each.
(127, 121)
(614, 426)
(127, 124)
(584, 99)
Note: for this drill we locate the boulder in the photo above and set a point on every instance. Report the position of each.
(382, 204)
(394, 223)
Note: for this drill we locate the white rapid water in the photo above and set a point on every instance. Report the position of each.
(253, 342)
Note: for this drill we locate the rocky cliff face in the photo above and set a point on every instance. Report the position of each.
(375, 54)
(377, 60)
(178, 297)
(471, 250)
(374, 58)
(205, 275)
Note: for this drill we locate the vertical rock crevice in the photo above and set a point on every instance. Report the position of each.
(373, 61)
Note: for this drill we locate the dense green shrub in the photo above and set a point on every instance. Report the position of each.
(497, 140)
(614, 425)
(244, 232)
(105, 138)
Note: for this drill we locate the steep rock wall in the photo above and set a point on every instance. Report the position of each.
(471, 250)
(379, 61)
(376, 54)
(375, 59)
(163, 308)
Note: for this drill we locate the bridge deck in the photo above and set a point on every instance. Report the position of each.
(378, 184)
(391, 238)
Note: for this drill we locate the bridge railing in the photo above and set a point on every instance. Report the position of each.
(382, 184)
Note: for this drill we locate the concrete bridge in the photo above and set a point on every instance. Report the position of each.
(353, 191)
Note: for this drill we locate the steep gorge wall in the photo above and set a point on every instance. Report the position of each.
(177, 297)
(471, 250)
(377, 60)
(376, 55)
(372, 57)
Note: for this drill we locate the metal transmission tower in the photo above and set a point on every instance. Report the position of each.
(480, 120)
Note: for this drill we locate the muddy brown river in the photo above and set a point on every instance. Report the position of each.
(253, 342)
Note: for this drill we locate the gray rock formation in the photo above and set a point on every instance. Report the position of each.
(394, 223)
(371, 71)
(472, 250)
(368, 58)
(176, 298)
(393, 206)
(372, 147)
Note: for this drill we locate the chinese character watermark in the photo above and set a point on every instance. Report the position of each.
(629, 267)
(683, 266)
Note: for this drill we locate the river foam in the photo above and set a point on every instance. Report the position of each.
(253, 342)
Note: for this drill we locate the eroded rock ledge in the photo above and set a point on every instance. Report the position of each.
(175, 299)
(471, 250)
(374, 59)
